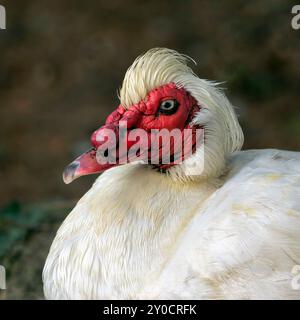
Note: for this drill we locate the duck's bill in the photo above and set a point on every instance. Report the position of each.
(84, 165)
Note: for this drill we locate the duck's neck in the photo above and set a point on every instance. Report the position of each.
(139, 216)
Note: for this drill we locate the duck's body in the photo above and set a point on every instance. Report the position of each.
(233, 237)
(217, 224)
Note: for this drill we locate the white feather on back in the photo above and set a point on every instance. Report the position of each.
(244, 242)
(138, 234)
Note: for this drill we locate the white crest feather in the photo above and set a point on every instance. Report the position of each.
(156, 67)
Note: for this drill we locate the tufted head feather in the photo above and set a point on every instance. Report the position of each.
(156, 67)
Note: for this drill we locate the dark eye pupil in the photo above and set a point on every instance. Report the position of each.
(168, 107)
(168, 104)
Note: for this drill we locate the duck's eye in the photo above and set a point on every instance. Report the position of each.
(168, 106)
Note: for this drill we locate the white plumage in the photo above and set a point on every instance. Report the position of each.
(231, 232)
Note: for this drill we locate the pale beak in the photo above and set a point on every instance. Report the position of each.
(84, 165)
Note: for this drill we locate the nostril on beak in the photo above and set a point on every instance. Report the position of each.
(69, 172)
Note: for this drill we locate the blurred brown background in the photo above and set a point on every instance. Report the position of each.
(61, 63)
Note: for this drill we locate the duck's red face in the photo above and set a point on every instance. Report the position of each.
(167, 107)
